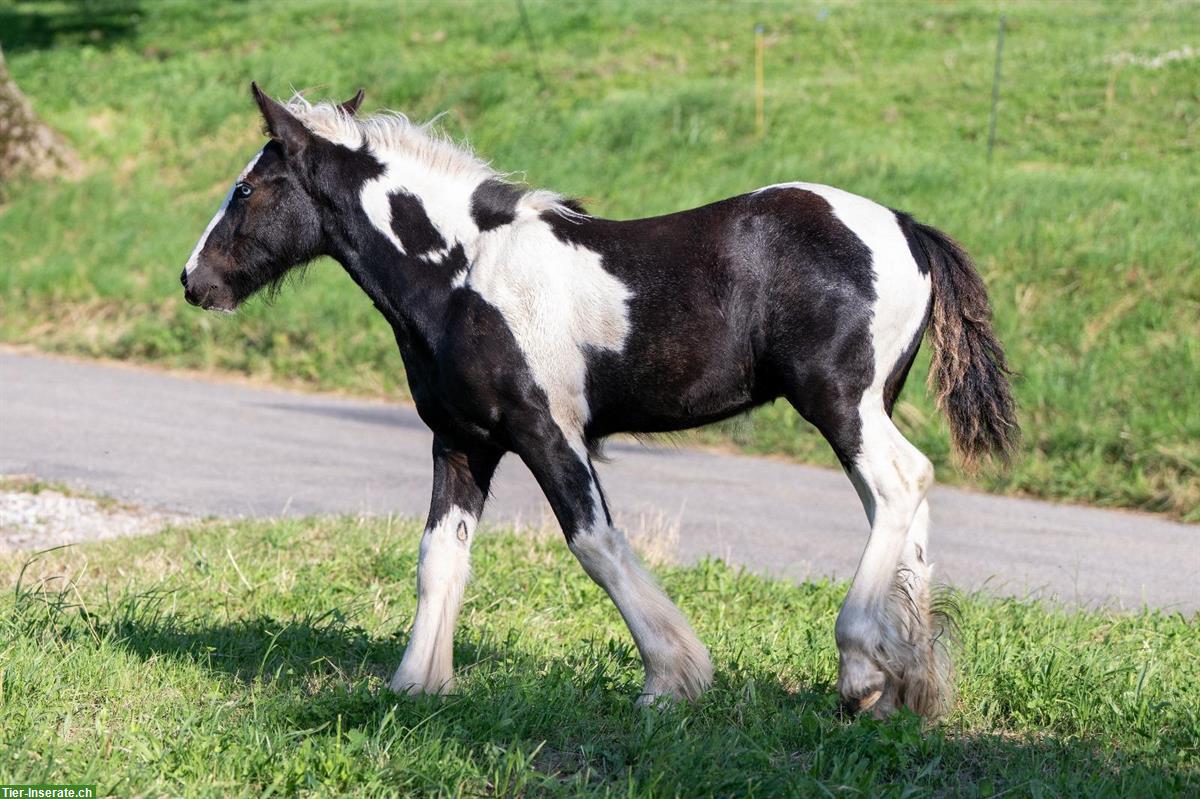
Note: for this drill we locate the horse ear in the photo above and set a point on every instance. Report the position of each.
(281, 123)
(351, 106)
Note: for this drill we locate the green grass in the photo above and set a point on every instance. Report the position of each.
(249, 659)
(1083, 223)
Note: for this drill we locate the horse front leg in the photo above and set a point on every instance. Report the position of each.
(676, 662)
(460, 487)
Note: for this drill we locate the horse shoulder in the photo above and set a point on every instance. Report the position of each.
(558, 302)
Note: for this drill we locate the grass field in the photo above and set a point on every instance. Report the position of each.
(248, 659)
(1083, 223)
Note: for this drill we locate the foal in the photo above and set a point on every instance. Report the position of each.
(528, 326)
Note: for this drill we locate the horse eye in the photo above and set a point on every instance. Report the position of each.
(245, 189)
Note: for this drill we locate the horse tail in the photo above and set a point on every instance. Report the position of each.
(969, 374)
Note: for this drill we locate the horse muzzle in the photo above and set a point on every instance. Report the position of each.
(208, 294)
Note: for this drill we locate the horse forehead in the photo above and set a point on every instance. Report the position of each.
(270, 155)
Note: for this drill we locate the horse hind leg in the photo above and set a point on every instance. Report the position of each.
(922, 625)
(884, 629)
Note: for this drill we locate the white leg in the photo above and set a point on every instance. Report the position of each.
(925, 682)
(460, 486)
(677, 664)
(891, 477)
(445, 565)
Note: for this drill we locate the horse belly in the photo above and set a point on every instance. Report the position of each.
(673, 382)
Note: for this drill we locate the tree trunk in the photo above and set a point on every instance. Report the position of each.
(27, 145)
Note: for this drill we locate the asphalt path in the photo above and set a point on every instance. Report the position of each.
(183, 444)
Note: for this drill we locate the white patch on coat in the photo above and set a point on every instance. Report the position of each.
(435, 256)
(194, 259)
(677, 663)
(557, 300)
(442, 574)
(446, 198)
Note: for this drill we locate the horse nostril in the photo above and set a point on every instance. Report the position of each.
(183, 278)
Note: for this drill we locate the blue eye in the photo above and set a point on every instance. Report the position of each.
(244, 189)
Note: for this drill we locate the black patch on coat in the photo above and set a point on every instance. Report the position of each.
(494, 203)
(338, 173)
(600, 491)
(461, 478)
(411, 224)
(455, 260)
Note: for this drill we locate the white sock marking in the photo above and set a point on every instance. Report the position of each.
(428, 664)
(677, 664)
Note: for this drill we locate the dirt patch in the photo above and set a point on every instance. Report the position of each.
(33, 518)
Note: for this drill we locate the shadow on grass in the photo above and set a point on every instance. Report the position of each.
(575, 723)
(38, 24)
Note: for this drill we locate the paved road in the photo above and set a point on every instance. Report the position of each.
(183, 444)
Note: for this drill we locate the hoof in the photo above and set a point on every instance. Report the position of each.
(658, 693)
(867, 702)
(851, 706)
(684, 680)
(864, 687)
(879, 704)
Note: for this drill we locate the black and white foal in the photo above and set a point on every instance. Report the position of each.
(528, 326)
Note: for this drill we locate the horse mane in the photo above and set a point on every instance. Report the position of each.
(391, 132)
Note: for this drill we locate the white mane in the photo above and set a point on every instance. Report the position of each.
(393, 133)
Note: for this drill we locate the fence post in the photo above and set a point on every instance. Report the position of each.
(995, 89)
(533, 47)
(760, 115)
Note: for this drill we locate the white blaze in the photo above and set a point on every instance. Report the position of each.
(194, 259)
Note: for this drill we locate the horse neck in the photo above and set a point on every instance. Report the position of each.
(408, 241)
